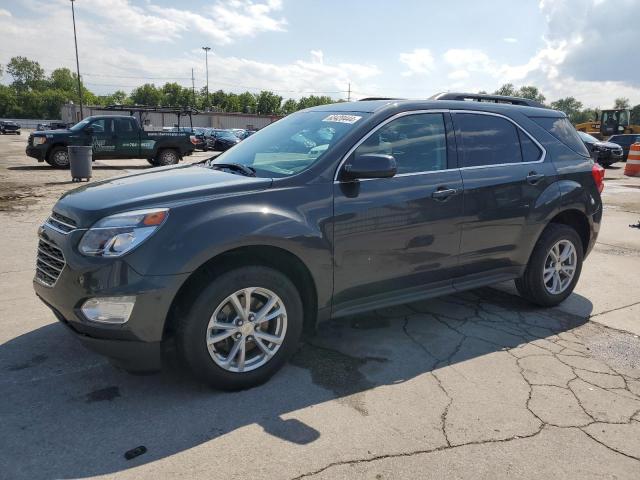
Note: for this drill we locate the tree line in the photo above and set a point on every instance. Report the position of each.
(33, 94)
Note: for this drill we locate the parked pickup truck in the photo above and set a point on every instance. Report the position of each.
(112, 136)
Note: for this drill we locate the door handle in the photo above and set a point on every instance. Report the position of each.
(442, 193)
(534, 177)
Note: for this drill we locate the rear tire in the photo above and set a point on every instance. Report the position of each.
(152, 162)
(58, 157)
(548, 279)
(166, 157)
(215, 363)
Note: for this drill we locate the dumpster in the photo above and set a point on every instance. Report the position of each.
(80, 158)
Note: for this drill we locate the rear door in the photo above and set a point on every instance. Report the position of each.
(503, 172)
(394, 237)
(127, 138)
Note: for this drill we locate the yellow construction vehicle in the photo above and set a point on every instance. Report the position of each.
(611, 122)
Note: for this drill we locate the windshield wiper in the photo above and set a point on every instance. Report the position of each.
(244, 169)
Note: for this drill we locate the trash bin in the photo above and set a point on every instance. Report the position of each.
(80, 158)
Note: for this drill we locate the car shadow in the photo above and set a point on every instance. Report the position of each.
(67, 413)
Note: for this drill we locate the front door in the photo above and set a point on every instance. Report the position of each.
(504, 174)
(395, 237)
(103, 138)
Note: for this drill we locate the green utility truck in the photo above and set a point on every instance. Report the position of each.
(112, 136)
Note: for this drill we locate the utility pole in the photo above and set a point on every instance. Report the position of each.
(75, 38)
(193, 88)
(206, 63)
(349, 93)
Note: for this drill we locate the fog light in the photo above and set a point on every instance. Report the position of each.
(109, 309)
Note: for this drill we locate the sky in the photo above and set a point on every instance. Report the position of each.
(402, 48)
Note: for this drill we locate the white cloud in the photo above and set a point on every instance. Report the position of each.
(119, 67)
(220, 23)
(510, 40)
(419, 61)
(458, 75)
(4, 13)
(469, 59)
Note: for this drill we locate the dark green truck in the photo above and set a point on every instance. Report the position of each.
(112, 136)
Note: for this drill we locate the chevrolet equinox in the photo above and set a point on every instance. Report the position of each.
(332, 211)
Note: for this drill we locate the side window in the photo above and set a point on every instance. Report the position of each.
(124, 125)
(530, 151)
(417, 142)
(487, 140)
(561, 128)
(103, 125)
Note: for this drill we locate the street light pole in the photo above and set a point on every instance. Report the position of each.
(206, 62)
(75, 39)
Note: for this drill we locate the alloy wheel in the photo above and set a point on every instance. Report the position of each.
(246, 329)
(560, 267)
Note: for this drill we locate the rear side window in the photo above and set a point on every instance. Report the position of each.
(417, 142)
(488, 140)
(561, 128)
(530, 151)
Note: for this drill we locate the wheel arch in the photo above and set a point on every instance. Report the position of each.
(277, 258)
(577, 220)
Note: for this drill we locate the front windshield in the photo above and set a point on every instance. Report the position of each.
(292, 144)
(80, 125)
(587, 138)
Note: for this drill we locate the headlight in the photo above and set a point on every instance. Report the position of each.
(39, 140)
(118, 234)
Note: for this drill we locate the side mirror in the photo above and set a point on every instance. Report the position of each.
(371, 165)
(88, 130)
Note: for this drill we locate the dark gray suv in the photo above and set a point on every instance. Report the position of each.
(331, 211)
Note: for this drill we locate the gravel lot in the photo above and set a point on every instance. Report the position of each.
(476, 385)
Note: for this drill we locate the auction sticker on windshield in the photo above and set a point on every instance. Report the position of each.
(342, 118)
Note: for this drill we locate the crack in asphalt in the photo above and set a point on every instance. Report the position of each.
(516, 323)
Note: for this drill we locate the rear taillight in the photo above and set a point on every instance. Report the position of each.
(598, 176)
(193, 139)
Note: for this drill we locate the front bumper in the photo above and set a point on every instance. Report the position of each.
(35, 152)
(134, 345)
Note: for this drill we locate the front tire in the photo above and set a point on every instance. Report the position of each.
(58, 157)
(167, 157)
(554, 267)
(242, 328)
(152, 162)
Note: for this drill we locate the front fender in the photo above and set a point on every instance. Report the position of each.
(295, 219)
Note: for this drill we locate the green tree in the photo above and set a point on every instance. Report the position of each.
(26, 74)
(289, 106)
(175, 95)
(570, 106)
(147, 94)
(8, 101)
(63, 79)
(621, 103)
(531, 92)
(248, 103)
(507, 89)
(313, 101)
(268, 103)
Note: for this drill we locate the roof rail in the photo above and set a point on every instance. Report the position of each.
(378, 98)
(481, 97)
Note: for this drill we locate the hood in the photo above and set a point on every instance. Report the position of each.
(151, 188)
(63, 131)
(608, 145)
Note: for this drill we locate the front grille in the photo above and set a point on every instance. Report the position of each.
(49, 263)
(61, 223)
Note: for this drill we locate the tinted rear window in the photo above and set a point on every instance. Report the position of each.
(488, 140)
(561, 128)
